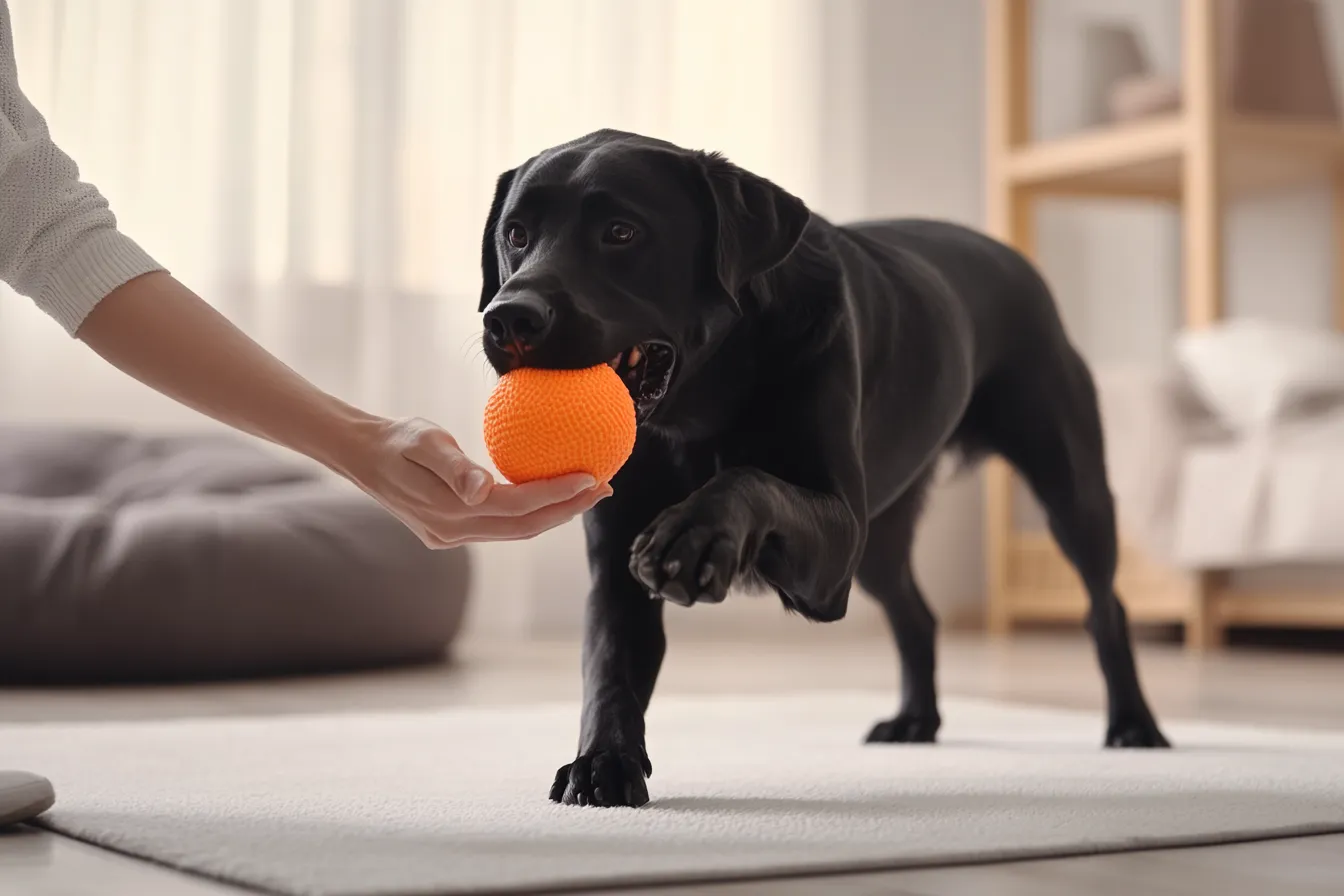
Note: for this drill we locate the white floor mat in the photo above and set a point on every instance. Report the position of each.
(455, 801)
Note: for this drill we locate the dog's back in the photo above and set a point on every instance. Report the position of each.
(942, 319)
(1008, 307)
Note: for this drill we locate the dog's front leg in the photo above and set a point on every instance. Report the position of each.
(623, 641)
(803, 542)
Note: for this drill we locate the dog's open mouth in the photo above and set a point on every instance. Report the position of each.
(647, 371)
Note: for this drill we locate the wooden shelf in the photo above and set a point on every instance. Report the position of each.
(1298, 609)
(1146, 159)
(1141, 159)
(1197, 159)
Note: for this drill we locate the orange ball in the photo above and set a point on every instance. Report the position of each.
(545, 423)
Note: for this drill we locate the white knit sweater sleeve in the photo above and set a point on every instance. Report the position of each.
(59, 243)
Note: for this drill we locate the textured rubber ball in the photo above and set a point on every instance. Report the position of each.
(545, 423)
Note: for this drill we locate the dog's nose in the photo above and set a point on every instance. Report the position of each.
(521, 322)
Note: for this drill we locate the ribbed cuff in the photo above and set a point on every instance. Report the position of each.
(99, 264)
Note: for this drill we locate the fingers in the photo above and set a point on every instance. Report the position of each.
(532, 497)
(513, 528)
(548, 517)
(427, 481)
(440, 455)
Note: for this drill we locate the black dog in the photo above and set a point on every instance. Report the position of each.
(795, 383)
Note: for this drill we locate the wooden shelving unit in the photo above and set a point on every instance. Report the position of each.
(1197, 160)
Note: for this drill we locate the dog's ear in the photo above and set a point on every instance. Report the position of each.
(490, 280)
(757, 223)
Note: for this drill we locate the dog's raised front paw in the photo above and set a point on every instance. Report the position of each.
(602, 778)
(687, 555)
(1142, 733)
(905, 729)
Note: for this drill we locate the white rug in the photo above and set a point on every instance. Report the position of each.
(455, 801)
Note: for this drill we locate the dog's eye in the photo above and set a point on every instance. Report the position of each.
(516, 236)
(620, 233)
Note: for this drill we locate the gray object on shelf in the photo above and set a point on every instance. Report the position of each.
(1145, 95)
(1112, 53)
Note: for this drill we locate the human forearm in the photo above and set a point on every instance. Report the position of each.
(161, 333)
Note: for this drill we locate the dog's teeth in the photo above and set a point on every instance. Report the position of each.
(635, 356)
(615, 363)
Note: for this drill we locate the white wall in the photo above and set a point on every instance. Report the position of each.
(925, 136)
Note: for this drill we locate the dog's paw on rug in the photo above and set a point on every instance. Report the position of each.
(905, 728)
(602, 778)
(1135, 733)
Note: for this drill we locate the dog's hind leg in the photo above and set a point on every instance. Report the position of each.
(1044, 419)
(885, 573)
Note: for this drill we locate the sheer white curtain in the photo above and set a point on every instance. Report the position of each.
(320, 171)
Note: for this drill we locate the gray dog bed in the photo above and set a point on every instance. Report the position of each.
(132, 558)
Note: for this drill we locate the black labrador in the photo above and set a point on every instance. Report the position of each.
(795, 383)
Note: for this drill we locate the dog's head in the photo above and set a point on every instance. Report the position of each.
(626, 250)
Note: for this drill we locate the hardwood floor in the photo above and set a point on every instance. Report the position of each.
(1241, 685)
(1304, 866)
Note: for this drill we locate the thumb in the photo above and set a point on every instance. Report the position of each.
(468, 480)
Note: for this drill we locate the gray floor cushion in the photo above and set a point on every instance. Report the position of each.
(130, 558)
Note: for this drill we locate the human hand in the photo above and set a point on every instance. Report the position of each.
(417, 471)
(157, 330)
